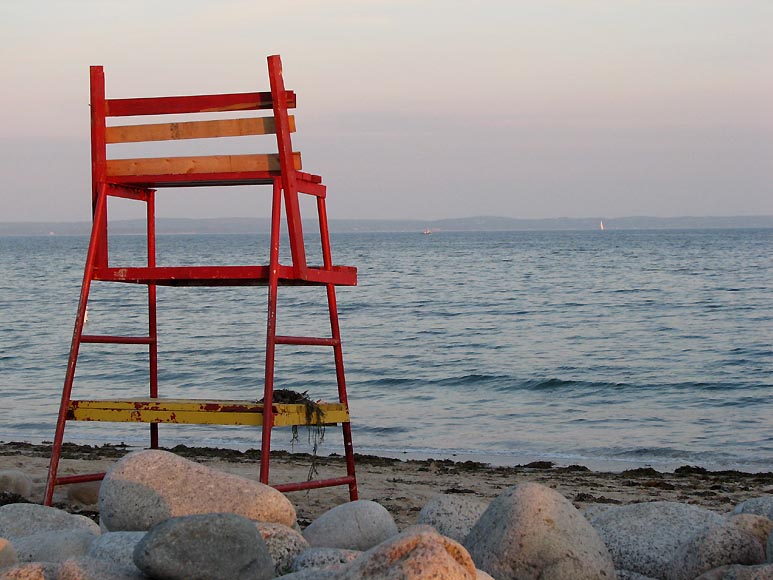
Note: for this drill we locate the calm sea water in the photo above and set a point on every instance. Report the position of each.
(610, 349)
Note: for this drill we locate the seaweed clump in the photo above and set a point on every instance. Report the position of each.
(315, 426)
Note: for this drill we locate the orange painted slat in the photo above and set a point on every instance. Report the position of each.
(193, 130)
(194, 165)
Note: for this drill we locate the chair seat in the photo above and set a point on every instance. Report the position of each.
(226, 275)
(199, 412)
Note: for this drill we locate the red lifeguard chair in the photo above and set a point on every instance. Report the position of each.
(138, 179)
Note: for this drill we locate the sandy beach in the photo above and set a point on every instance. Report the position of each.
(403, 487)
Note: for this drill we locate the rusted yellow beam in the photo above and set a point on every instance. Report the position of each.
(198, 411)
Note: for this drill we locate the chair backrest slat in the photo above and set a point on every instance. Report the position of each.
(209, 164)
(193, 104)
(193, 130)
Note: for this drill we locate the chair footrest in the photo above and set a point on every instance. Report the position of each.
(200, 412)
(226, 275)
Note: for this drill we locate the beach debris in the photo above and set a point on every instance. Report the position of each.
(215, 546)
(418, 552)
(25, 519)
(16, 482)
(315, 425)
(554, 540)
(147, 487)
(115, 547)
(452, 515)
(283, 544)
(645, 537)
(356, 525)
(713, 546)
(324, 559)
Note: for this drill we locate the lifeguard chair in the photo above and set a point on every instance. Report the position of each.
(138, 179)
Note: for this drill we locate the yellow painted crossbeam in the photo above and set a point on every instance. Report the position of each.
(198, 411)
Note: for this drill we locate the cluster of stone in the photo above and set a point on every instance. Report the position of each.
(166, 518)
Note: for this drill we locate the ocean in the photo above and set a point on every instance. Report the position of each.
(609, 349)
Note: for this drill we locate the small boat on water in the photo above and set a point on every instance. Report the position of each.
(601, 225)
(427, 232)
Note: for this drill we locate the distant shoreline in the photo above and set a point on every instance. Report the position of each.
(472, 224)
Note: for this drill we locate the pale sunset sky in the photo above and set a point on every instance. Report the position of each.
(418, 109)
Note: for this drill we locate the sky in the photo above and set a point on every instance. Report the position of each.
(417, 109)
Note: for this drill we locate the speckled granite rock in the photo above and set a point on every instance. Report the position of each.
(452, 515)
(25, 519)
(357, 525)
(644, 537)
(324, 558)
(761, 506)
(204, 547)
(147, 487)
(116, 547)
(283, 544)
(56, 546)
(553, 539)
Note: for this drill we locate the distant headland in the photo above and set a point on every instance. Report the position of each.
(469, 224)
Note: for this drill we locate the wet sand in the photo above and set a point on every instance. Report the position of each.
(403, 487)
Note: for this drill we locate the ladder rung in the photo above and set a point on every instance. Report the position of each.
(117, 339)
(307, 340)
(315, 484)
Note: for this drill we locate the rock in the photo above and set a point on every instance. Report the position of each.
(204, 547)
(54, 546)
(147, 487)
(324, 558)
(283, 544)
(84, 493)
(14, 481)
(85, 568)
(417, 553)
(644, 537)
(452, 515)
(357, 525)
(758, 526)
(626, 575)
(481, 575)
(115, 547)
(714, 546)
(31, 571)
(7, 554)
(310, 574)
(737, 572)
(531, 531)
(25, 519)
(770, 547)
(761, 506)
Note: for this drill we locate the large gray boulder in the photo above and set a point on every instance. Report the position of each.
(357, 525)
(147, 487)
(738, 572)
(26, 519)
(761, 506)
(115, 547)
(714, 546)
(309, 574)
(55, 546)
(204, 547)
(531, 531)
(416, 554)
(644, 537)
(283, 544)
(452, 515)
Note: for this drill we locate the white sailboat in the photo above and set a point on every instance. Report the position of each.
(601, 225)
